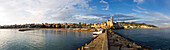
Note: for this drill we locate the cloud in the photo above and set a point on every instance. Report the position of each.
(145, 12)
(124, 15)
(151, 14)
(157, 15)
(165, 25)
(155, 18)
(118, 17)
(131, 20)
(88, 18)
(93, 8)
(138, 1)
(115, 15)
(38, 11)
(91, 18)
(156, 21)
(160, 15)
(107, 7)
(99, 15)
(140, 8)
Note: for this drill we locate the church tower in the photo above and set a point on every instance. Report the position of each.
(111, 21)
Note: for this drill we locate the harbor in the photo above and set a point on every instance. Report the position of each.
(84, 25)
(105, 39)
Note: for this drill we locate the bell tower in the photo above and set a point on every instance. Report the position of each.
(111, 19)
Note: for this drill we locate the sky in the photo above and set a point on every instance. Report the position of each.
(154, 12)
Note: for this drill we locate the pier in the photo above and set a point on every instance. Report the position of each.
(110, 40)
(99, 43)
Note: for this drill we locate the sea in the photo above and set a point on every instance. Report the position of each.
(156, 39)
(12, 39)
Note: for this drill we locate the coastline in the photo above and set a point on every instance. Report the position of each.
(65, 29)
(73, 29)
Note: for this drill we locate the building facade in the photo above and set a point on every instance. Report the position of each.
(110, 23)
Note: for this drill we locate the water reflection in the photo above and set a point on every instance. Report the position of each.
(70, 33)
(12, 39)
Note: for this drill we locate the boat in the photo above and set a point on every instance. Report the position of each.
(96, 33)
(25, 29)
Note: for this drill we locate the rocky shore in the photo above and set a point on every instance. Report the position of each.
(118, 42)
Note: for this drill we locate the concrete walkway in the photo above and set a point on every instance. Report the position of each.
(100, 43)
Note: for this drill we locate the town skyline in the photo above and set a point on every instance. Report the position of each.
(109, 24)
(153, 12)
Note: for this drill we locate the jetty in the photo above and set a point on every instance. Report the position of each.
(99, 43)
(110, 40)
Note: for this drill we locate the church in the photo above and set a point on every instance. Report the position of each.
(107, 25)
(110, 23)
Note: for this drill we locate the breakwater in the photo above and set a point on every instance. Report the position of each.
(118, 42)
(110, 40)
(99, 43)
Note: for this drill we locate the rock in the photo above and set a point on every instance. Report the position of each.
(138, 47)
(117, 42)
(114, 48)
(111, 41)
(127, 48)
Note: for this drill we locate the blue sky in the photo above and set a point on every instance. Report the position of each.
(155, 12)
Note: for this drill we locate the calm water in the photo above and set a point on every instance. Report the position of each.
(12, 39)
(152, 38)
